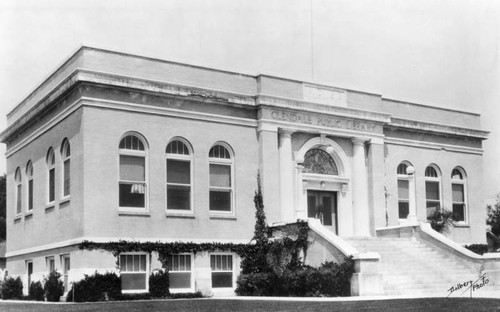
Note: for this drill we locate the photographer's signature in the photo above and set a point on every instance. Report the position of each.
(469, 285)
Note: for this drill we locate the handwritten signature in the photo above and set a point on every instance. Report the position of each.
(470, 285)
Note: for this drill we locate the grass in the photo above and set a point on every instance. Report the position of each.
(221, 305)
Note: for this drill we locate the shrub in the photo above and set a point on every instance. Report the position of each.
(186, 295)
(36, 292)
(159, 284)
(442, 220)
(97, 287)
(254, 284)
(12, 288)
(330, 279)
(54, 287)
(478, 248)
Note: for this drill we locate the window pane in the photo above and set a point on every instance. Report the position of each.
(180, 280)
(457, 193)
(178, 171)
(130, 263)
(220, 175)
(19, 194)
(133, 281)
(52, 187)
(222, 279)
(403, 187)
(123, 263)
(187, 262)
(404, 209)
(212, 262)
(30, 194)
(132, 195)
(132, 168)
(178, 197)
(220, 200)
(136, 263)
(66, 177)
(459, 211)
(432, 190)
(176, 263)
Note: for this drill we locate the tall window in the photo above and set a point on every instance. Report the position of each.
(132, 184)
(65, 153)
(221, 186)
(29, 175)
(133, 271)
(459, 194)
(222, 270)
(51, 175)
(51, 263)
(432, 189)
(179, 269)
(66, 266)
(179, 158)
(19, 190)
(403, 191)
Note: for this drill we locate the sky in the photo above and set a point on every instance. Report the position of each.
(437, 52)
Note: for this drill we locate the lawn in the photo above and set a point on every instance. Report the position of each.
(230, 305)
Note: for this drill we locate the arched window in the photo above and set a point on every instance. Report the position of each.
(459, 194)
(19, 190)
(179, 159)
(403, 190)
(66, 181)
(29, 175)
(132, 183)
(221, 173)
(318, 161)
(51, 176)
(432, 189)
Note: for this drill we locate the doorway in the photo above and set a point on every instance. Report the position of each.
(322, 205)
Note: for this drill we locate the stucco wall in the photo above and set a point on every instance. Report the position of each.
(101, 177)
(420, 158)
(48, 223)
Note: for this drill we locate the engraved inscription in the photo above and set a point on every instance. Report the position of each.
(324, 121)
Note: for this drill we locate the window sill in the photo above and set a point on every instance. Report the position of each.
(17, 218)
(222, 217)
(134, 213)
(180, 215)
(461, 225)
(64, 200)
(28, 214)
(50, 206)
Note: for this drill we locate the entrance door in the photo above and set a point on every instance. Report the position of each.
(322, 205)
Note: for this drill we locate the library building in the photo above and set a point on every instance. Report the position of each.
(113, 146)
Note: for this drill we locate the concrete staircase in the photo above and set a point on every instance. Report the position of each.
(411, 268)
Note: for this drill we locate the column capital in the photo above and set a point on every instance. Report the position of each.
(358, 141)
(285, 133)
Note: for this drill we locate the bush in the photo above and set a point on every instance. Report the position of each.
(186, 295)
(478, 248)
(36, 292)
(54, 287)
(442, 220)
(159, 284)
(330, 279)
(12, 288)
(97, 287)
(494, 217)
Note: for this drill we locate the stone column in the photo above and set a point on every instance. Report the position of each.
(286, 176)
(300, 193)
(361, 213)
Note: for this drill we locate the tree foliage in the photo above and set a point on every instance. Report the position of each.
(442, 220)
(493, 220)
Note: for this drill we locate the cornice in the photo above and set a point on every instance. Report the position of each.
(437, 128)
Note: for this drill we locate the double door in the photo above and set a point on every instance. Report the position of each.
(322, 205)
